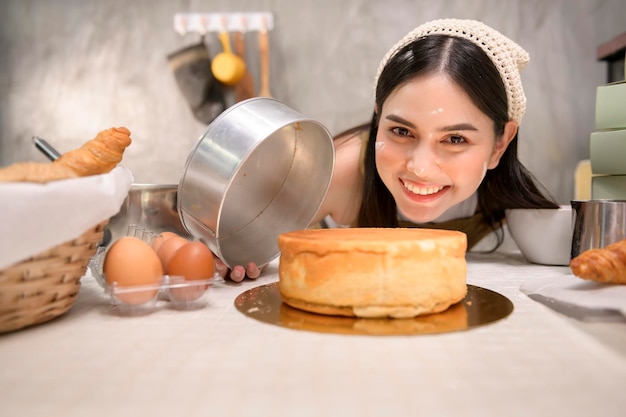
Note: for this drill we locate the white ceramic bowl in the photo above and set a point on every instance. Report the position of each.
(544, 236)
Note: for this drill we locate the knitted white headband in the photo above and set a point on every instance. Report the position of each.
(508, 57)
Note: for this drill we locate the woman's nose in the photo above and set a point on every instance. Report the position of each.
(422, 160)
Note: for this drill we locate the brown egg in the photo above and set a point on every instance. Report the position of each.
(168, 248)
(131, 262)
(156, 242)
(168, 235)
(193, 261)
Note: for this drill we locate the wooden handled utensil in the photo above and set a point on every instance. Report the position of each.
(227, 67)
(244, 89)
(264, 51)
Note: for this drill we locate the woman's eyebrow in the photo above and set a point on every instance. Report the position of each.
(399, 119)
(457, 127)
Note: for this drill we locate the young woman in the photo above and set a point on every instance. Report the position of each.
(441, 148)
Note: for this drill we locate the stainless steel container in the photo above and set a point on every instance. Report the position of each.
(597, 223)
(152, 206)
(259, 169)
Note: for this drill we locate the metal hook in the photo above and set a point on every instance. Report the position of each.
(244, 24)
(181, 25)
(203, 25)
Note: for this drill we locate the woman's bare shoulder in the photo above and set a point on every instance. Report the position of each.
(343, 198)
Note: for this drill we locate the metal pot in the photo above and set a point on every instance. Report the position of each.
(258, 170)
(152, 206)
(597, 223)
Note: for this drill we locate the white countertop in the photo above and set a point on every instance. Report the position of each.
(218, 362)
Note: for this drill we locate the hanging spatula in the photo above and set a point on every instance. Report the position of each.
(244, 89)
(264, 51)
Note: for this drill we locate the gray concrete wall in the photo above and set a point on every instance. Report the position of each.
(70, 68)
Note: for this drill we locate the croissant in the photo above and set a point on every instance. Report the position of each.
(97, 156)
(606, 265)
(35, 172)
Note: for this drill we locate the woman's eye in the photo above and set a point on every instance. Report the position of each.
(456, 139)
(400, 131)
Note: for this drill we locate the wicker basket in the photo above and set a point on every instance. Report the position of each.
(44, 286)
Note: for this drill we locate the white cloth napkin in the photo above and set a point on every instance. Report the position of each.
(573, 296)
(35, 217)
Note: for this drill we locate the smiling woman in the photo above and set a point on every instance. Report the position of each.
(441, 148)
(438, 144)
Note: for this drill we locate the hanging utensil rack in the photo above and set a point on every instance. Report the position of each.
(204, 23)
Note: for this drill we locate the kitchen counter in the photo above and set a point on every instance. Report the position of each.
(217, 361)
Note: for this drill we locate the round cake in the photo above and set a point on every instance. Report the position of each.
(372, 272)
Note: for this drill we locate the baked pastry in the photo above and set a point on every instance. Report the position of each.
(372, 272)
(606, 265)
(97, 156)
(35, 172)
(453, 319)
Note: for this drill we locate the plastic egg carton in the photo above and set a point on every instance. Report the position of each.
(179, 293)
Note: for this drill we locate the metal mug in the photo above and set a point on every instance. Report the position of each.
(258, 170)
(152, 206)
(597, 223)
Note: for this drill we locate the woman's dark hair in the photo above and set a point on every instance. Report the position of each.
(509, 185)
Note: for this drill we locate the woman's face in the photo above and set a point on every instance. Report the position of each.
(434, 146)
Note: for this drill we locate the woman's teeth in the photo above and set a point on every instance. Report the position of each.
(421, 190)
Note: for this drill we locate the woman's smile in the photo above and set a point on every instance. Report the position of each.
(432, 160)
(422, 190)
